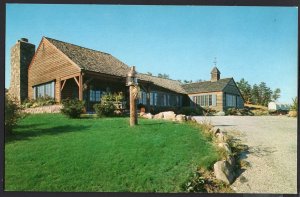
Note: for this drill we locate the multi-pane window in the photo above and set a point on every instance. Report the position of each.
(143, 98)
(205, 100)
(95, 95)
(164, 99)
(44, 90)
(151, 98)
(231, 100)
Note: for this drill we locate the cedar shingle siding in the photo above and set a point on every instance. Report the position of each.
(49, 64)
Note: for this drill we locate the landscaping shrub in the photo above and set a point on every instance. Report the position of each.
(104, 109)
(72, 107)
(209, 111)
(41, 101)
(294, 108)
(12, 114)
(231, 111)
(240, 112)
(245, 112)
(260, 112)
(109, 105)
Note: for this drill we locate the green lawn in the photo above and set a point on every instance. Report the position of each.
(50, 152)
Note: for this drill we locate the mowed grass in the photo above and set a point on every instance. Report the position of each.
(50, 152)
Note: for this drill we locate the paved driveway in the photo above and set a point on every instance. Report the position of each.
(272, 142)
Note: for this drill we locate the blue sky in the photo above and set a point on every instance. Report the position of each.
(255, 43)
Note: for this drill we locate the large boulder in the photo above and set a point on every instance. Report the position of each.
(220, 113)
(169, 115)
(193, 119)
(159, 116)
(188, 118)
(224, 172)
(180, 118)
(148, 116)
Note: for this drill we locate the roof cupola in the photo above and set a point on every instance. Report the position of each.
(215, 74)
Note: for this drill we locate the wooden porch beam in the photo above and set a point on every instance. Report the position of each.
(76, 80)
(63, 85)
(70, 76)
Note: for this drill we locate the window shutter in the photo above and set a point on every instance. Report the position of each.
(214, 100)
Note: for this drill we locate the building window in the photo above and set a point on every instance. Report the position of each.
(205, 100)
(44, 90)
(230, 100)
(143, 98)
(165, 99)
(151, 98)
(95, 95)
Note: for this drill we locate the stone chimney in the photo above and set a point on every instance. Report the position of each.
(21, 55)
(215, 74)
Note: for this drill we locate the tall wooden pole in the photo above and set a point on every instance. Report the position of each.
(133, 93)
(133, 117)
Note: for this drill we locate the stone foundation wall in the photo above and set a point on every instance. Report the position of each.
(44, 109)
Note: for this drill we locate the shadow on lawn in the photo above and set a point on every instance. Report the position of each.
(151, 123)
(32, 131)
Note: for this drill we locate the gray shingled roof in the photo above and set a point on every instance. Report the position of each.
(97, 61)
(165, 83)
(91, 60)
(206, 86)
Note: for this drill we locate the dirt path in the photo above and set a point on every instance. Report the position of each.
(272, 142)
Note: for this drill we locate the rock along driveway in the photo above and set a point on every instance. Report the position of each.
(272, 142)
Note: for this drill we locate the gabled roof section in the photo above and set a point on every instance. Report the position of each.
(170, 84)
(206, 86)
(91, 60)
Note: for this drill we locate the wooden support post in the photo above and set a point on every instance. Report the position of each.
(80, 87)
(59, 91)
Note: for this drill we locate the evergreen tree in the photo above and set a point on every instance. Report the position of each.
(276, 94)
(149, 73)
(164, 76)
(255, 94)
(245, 89)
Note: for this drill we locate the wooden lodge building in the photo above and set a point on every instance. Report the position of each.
(62, 70)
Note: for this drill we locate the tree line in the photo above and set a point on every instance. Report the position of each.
(258, 94)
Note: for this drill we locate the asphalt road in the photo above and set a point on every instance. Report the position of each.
(272, 142)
